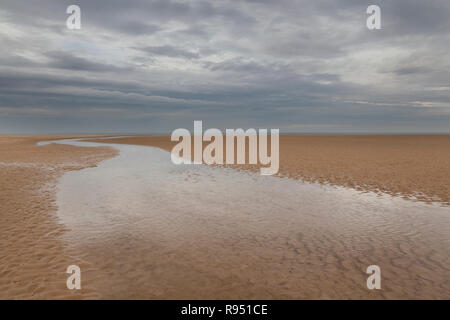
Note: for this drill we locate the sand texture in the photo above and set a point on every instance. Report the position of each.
(412, 166)
(160, 231)
(33, 260)
(229, 253)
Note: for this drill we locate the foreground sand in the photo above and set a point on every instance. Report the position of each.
(413, 166)
(32, 258)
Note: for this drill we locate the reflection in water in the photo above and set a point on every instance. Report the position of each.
(156, 230)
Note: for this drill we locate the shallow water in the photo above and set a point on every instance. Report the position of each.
(153, 229)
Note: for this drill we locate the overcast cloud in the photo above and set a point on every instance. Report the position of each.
(154, 66)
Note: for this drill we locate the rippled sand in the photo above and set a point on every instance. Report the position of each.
(140, 227)
(155, 230)
(33, 258)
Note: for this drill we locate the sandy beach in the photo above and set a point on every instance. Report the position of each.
(245, 251)
(32, 257)
(412, 166)
(319, 165)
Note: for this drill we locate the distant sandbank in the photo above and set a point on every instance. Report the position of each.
(412, 166)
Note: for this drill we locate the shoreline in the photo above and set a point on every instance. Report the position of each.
(414, 167)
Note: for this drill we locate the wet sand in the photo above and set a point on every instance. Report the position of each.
(291, 253)
(416, 167)
(33, 260)
(163, 231)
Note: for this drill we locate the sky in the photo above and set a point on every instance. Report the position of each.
(154, 66)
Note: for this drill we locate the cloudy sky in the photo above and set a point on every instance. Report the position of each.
(153, 66)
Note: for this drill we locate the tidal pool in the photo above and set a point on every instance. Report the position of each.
(155, 230)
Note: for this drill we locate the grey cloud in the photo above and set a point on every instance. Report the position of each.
(169, 51)
(242, 65)
(287, 63)
(136, 28)
(197, 31)
(63, 60)
(411, 70)
(16, 60)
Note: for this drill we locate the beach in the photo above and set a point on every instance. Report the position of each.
(32, 257)
(140, 227)
(412, 166)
